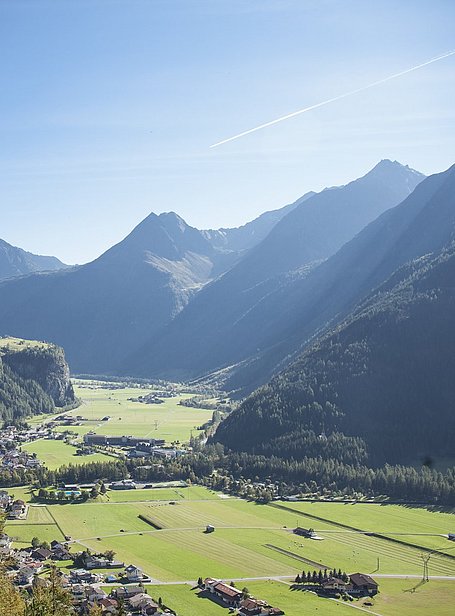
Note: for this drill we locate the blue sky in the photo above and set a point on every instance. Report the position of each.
(108, 108)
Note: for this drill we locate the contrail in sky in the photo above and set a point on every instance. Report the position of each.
(332, 100)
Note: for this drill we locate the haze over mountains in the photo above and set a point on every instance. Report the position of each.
(118, 313)
(232, 319)
(17, 262)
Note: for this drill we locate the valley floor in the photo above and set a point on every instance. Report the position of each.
(254, 544)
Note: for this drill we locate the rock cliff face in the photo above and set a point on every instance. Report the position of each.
(43, 363)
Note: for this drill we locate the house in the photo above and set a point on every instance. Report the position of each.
(78, 593)
(82, 575)
(59, 551)
(257, 607)
(5, 500)
(94, 594)
(229, 595)
(362, 584)
(334, 585)
(26, 573)
(134, 574)
(99, 562)
(5, 544)
(41, 554)
(126, 592)
(141, 601)
(108, 605)
(18, 510)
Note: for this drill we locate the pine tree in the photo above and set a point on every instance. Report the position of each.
(11, 602)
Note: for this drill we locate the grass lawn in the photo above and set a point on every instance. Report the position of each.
(82, 521)
(56, 453)
(22, 492)
(398, 597)
(39, 523)
(249, 541)
(410, 524)
(159, 494)
(168, 420)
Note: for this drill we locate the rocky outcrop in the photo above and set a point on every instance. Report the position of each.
(45, 364)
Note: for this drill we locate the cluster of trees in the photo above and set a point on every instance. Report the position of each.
(240, 472)
(47, 598)
(257, 477)
(319, 577)
(21, 397)
(112, 470)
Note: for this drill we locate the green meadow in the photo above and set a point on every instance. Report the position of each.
(168, 420)
(411, 525)
(57, 453)
(176, 493)
(250, 541)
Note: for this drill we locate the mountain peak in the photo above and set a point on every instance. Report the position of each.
(387, 166)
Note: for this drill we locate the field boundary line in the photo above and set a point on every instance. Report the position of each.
(290, 554)
(55, 522)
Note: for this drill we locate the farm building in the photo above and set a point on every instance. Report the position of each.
(257, 607)
(362, 584)
(125, 484)
(304, 532)
(229, 595)
(334, 585)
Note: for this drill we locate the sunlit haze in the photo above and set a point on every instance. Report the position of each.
(108, 109)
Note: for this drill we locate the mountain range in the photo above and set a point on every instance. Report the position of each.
(17, 262)
(169, 286)
(232, 321)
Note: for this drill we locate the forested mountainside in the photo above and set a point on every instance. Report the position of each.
(230, 319)
(17, 262)
(378, 388)
(34, 379)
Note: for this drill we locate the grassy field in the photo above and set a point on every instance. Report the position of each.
(22, 492)
(250, 541)
(409, 524)
(168, 420)
(159, 494)
(39, 523)
(56, 453)
(18, 344)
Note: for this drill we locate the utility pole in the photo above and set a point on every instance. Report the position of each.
(425, 558)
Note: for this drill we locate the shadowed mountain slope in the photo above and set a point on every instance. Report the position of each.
(385, 375)
(232, 318)
(102, 310)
